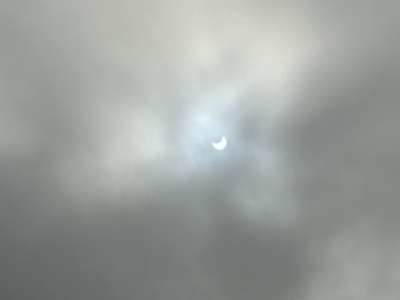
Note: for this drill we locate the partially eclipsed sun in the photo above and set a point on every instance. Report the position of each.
(221, 145)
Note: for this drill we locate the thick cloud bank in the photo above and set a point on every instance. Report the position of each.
(110, 187)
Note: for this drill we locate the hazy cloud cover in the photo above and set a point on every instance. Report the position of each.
(109, 185)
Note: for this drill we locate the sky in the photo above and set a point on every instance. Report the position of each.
(110, 187)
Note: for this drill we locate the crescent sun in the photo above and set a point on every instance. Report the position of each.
(221, 145)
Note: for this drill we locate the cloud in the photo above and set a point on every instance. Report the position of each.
(110, 187)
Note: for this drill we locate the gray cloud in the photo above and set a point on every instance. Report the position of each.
(109, 186)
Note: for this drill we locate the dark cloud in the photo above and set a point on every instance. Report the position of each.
(109, 186)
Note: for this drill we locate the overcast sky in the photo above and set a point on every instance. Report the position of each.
(110, 187)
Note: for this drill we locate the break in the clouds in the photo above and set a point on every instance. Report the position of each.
(110, 187)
